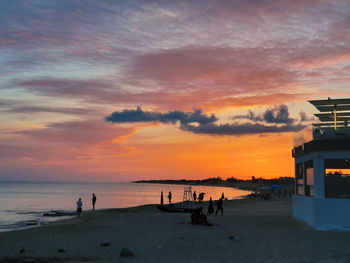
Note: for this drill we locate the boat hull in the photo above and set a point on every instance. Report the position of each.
(172, 209)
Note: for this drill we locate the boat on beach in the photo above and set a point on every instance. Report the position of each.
(173, 209)
(186, 206)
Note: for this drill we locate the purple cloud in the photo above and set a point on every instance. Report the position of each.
(197, 122)
(240, 129)
(173, 117)
(44, 109)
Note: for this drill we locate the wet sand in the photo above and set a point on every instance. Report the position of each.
(249, 231)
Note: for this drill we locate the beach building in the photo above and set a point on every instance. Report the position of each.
(322, 168)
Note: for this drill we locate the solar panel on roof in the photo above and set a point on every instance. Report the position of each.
(331, 108)
(331, 118)
(336, 111)
(340, 114)
(330, 102)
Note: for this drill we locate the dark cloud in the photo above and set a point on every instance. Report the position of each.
(240, 129)
(197, 122)
(173, 117)
(277, 114)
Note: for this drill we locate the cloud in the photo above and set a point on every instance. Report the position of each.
(45, 109)
(228, 69)
(197, 122)
(256, 100)
(65, 87)
(82, 133)
(277, 114)
(5, 103)
(304, 117)
(173, 117)
(240, 129)
(250, 116)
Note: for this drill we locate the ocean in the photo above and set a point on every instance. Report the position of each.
(22, 204)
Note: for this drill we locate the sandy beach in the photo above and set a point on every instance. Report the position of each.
(249, 231)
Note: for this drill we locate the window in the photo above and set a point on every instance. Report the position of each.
(309, 178)
(299, 179)
(337, 178)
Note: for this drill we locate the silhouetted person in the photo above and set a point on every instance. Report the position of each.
(93, 201)
(210, 207)
(201, 197)
(222, 196)
(169, 197)
(161, 198)
(194, 196)
(219, 206)
(79, 207)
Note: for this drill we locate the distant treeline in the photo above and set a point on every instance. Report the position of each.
(251, 184)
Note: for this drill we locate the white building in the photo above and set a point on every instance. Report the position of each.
(322, 168)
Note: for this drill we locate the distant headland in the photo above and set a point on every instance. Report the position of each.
(250, 184)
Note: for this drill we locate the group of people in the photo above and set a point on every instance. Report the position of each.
(80, 204)
(219, 204)
(200, 196)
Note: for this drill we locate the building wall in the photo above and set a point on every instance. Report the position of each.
(303, 209)
(332, 213)
(322, 214)
(317, 211)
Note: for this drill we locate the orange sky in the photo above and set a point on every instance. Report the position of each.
(127, 90)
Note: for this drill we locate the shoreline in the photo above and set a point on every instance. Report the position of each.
(87, 213)
(251, 230)
(31, 215)
(192, 183)
(248, 185)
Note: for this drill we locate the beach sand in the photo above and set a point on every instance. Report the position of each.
(263, 231)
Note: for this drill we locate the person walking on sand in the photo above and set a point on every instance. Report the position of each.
(169, 197)
(79, 207)
(219, 206)
(210, 207)
(194, 196)
(94, 198)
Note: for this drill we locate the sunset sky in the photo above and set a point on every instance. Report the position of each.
(127, 90)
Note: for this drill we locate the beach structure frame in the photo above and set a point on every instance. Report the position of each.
(322, 170)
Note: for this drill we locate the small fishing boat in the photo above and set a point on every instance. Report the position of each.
(173, 209)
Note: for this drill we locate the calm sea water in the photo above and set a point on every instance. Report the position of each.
(22, 204)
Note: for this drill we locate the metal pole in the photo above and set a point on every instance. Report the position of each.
(335, 116)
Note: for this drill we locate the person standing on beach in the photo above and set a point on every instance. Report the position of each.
(194, 196)
(219, 206)
(79, 207)
(210, 207)
(169, 197)
(94, 198)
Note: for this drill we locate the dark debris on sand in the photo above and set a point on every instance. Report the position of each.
(44, 260)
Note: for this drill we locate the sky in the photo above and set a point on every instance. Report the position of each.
(129, 90)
